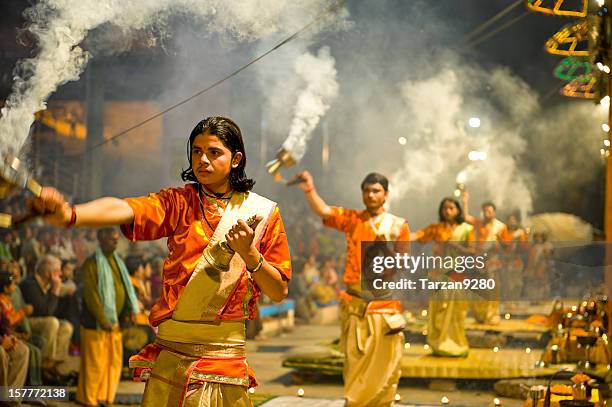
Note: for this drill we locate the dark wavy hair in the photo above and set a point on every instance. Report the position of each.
(459, 218)
(488, 203)
(230, 135)
(375, 178)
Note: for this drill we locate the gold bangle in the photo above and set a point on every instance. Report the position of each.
(261, 259)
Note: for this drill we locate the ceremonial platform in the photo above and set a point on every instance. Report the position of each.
(511, 332)
(291, 401)
(417, 362)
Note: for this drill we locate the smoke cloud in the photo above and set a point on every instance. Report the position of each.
(60, 26)
(400, 74)
(319, 74)
(438, 110)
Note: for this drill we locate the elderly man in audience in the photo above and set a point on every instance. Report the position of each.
(42, 290)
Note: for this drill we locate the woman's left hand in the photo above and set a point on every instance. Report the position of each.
(240, 237)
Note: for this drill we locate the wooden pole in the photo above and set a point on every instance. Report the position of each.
(93, 160)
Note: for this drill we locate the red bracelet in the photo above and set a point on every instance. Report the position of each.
(72, 221)
(306, 191)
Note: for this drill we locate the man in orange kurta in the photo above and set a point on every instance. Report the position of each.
(372, 348)
(189, 224)
(493, 237)
(226, 246)
(176, 213)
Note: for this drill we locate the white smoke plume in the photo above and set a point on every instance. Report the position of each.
(60, 26)
(319, 74)
(438, 109)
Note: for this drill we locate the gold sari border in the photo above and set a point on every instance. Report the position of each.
(196, 351)
(207, 377)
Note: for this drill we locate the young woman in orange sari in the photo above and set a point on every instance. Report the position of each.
(447, 310)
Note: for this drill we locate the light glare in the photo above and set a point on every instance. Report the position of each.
(474, 122)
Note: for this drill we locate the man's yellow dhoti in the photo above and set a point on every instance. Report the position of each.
(197, 364)
(101, 361)
(372, 359)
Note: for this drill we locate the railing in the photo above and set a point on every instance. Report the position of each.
(63, 173)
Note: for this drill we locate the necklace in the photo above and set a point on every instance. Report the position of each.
(215, 196)
(376, 222)
(218, 202)
(214, 200)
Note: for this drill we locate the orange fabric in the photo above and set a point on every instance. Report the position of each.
(356, 225)
(14, 317)
(483, 230)
(344, 296)
(175, 213)
(142, 317)
(139, 287)
(438, 232)
(236, 367)
(519, 237)
(384, 307)
(227, 367)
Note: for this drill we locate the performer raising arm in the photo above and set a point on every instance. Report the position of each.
(493, 237)
(371, 339)
(446, 316)
(208, 292)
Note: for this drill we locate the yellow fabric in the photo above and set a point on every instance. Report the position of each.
(485, 312)
(505, 326)
(446, 325)
(208, 289)
(226, 332)
(166, 384)
(479, 364)
(218, 395)
(372, 359)
(446, 316)
(184, 344)
(211, 350)
(90, 282)
(489, 235)
(101, 360)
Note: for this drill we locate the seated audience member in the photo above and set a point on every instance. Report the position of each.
(329, 276)
(42, 290)
(299, 292)
(23, 330)
(137, 336)
(14, 353)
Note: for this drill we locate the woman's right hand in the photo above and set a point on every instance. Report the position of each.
(52, 205)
